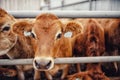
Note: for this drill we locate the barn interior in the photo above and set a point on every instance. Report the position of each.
(67, 10)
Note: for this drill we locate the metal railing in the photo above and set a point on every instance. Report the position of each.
(69, 60)
(68, 14)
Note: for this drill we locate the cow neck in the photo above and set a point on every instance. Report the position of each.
(74, 38)
(7, 50)
(26, 49)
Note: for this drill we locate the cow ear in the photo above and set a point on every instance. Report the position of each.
(68, 34)
(22, 28)
(74, 27)
(2, 12)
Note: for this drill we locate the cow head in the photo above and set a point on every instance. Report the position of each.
(94, 38)
(47, 35)
(114, 33)
(7, 38)
(77, 29)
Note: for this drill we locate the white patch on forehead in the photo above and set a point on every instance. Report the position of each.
(68, 34)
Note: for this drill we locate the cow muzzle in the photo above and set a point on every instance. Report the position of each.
(43, 63)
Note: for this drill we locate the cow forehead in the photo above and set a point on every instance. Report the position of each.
(6, 20)
(46, 16)
(49, 28)
(46, 21)
(3, 20)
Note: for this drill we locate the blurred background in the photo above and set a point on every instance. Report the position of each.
(87, 5)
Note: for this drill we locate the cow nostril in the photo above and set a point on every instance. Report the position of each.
(49, 64)
(36, 64)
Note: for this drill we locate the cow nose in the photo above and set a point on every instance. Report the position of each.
(43, 64)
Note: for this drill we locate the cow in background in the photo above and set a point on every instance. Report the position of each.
(14, 46)
(94, 46)
(6, 42)
(49, 42)
(109, 25)
(78, 46)
(113, 40)
(7, 39)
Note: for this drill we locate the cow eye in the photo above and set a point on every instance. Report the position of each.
(6, 28)
(32, 35)
(59, 35)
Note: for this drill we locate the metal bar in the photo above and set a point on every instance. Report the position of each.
(68, 14)
(62, 4)
(63, 60)
(49, 6)
(90, 5)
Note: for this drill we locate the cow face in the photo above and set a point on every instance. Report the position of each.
(94, 38)
(114, 33)
(47, 36)
(7, 38)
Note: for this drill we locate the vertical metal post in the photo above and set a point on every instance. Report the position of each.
(90, 5)
(49, 3)
(62, 3)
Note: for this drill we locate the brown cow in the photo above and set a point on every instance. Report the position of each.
(113, 39)
(23, 47)
(14, 46)
(6, 42)
(92, 73)
(109, 24)
(7, 39)
(49, 42)
(94, 46)
(78, 46)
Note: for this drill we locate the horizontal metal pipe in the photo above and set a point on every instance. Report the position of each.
(63, 60)
(68, 14)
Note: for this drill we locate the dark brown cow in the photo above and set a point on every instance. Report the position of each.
(113, 39)
(106, 23)
(94, 46)
(49, 42)
(8, 72)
